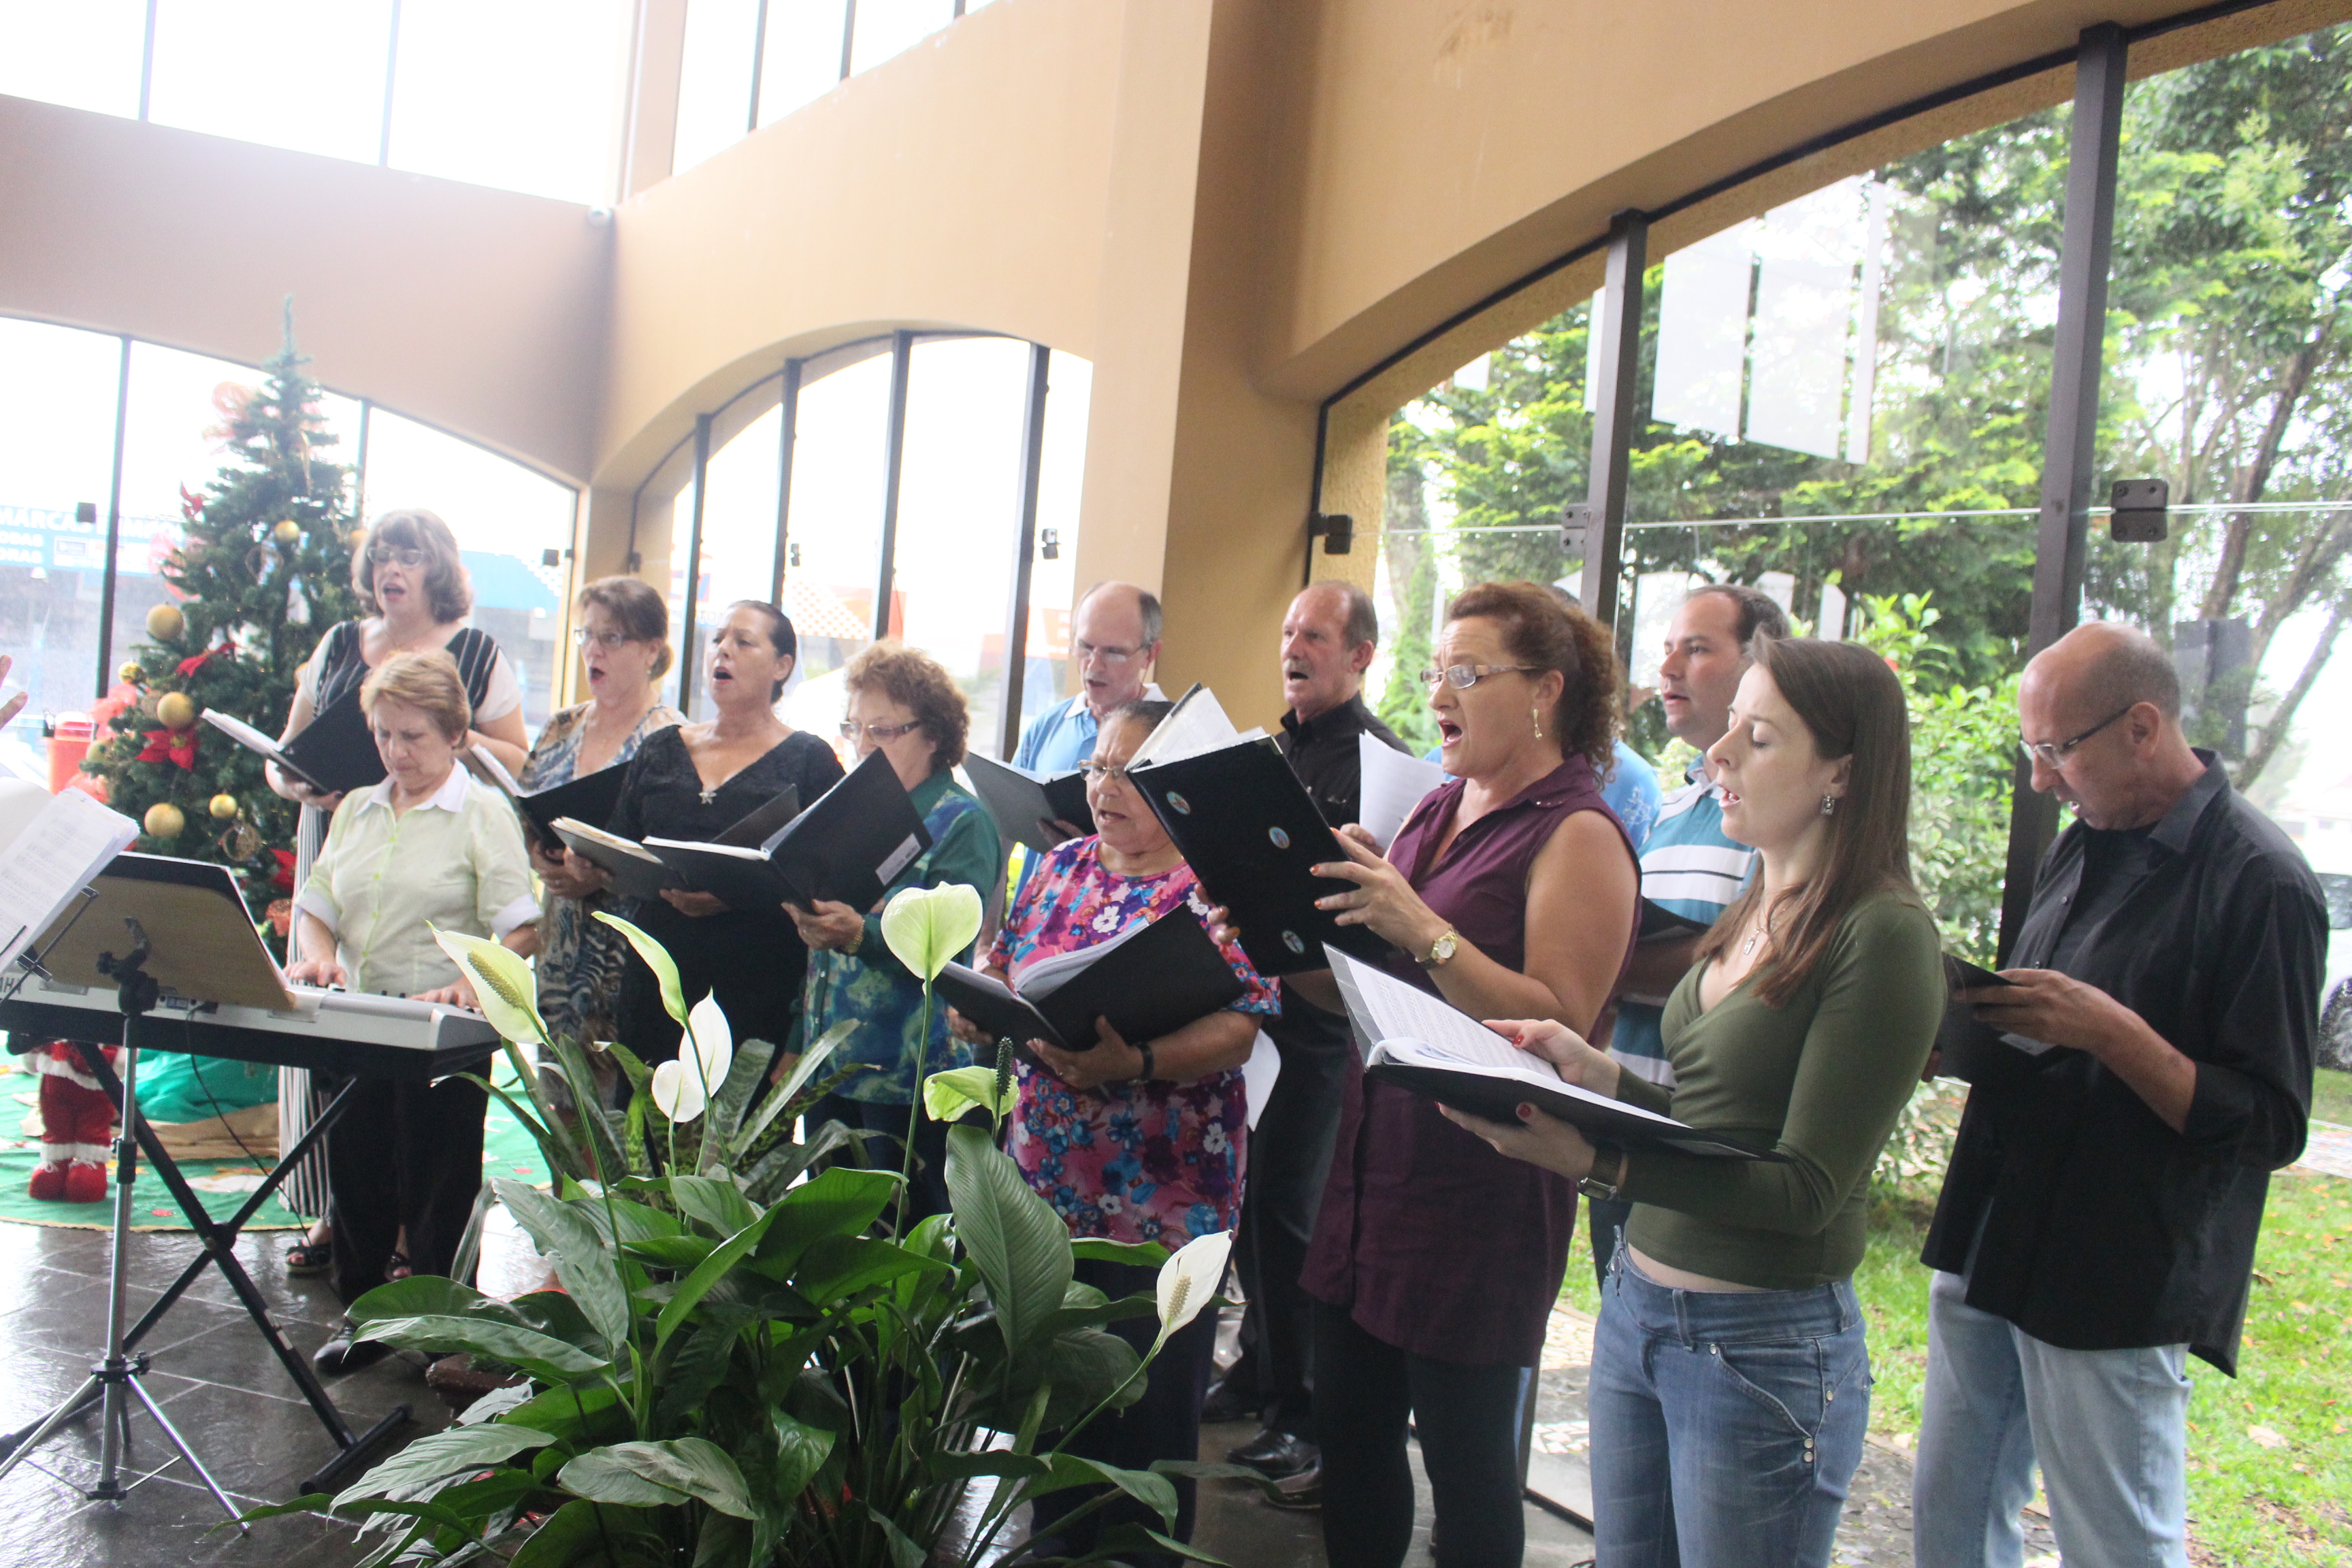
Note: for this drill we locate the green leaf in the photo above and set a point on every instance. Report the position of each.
(438, 1456)
(1135, 1254)
(575, 1415)
(801, 1451)
(836, 1267)
(838, 1202)
(656, 958)
(584, 1534)
(428, 1296)
(706, 1275)
(495, 1404)
(744, 1075)
(543, 1356)
(588, 1268)
(1155, 1492)
(1000, 1462)
(699, 1366)
(1016, 1239)
(904, 1553)
(781, 1098)
(649, 1474)
(947, 1095)
(679, 1253)
(715, 1201)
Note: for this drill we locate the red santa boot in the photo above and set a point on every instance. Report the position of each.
(77, 1125)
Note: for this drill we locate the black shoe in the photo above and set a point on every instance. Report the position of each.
(1301, 1491)
(1233, 1397)
(344, 1354)
(1277, 1455)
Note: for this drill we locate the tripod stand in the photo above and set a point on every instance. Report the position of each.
(117, 1379)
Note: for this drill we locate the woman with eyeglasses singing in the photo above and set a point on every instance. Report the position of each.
(622, 635)
(1511, 891)
(904, 706)
(412, 583)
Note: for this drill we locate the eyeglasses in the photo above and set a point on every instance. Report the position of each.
(1089, 653)
(609, 641)
(406, 555)
(1104, 773)
(851, 730)
(2053, 754)
(1462, 676)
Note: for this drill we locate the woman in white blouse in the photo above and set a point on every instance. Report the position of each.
(428, 847)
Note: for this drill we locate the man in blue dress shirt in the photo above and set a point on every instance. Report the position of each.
(1114, 642)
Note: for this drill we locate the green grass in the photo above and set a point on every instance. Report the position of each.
(2248, 1504)
(2331, 1096)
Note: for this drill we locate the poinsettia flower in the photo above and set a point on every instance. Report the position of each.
(171, 746)
(926, 927)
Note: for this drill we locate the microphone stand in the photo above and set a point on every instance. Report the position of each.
(117, 1379)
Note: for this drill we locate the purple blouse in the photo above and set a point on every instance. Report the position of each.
(1433, 1242)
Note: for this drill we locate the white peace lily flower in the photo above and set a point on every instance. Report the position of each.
(712, 1044)
(926, 927)
(1189, 1282)
(678, 1092)
(504, 985)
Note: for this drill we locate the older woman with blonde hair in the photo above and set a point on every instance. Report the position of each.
(904, 705)
(412, 584)
(429, 847)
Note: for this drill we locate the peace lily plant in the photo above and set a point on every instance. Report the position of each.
(738, 1370)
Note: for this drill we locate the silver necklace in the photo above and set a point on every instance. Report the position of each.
(1748, 948)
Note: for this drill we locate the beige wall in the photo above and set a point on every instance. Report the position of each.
(1231, 207)
(477, 310)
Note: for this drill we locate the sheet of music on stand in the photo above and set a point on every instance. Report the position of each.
(54, 859)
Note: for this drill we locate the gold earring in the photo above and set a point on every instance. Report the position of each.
(1537, 713)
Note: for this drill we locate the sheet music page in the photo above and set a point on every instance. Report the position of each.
(494, 771)
(1044, 977)
(1394, 783)
(1199, 724)
(243, 733)
(1402, 1011)
(64, 845)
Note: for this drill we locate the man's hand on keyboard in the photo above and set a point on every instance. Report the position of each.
(316, 972)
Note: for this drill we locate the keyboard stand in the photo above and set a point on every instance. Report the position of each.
(219, 1238)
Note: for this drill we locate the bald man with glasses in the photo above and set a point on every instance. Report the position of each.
(2097, 1223)
(1114, 643)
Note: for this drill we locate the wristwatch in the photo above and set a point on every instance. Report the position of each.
(1441, 952)
(1608, 1170)
(1150, 1067)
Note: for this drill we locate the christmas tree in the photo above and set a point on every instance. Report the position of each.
(264, 571)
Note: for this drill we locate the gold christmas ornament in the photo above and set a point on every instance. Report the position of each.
(287, 533)
(241, 842)
(223, 806)
(177, 709)
(131, 672)
(165, 623)
(164, 820)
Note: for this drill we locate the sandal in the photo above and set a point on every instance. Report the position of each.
(396, 1266)
(308, 1258)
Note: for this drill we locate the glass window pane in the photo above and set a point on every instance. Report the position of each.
(835, 528)
(664, 518)
(959, 513)
(887, 28)
(521, 94)
(801, 62)
(739, 513)
(508, 521)
(1053, 577)
(289, 73)
(714, 84)
(84, 55)
(57, 449)
(169, 444)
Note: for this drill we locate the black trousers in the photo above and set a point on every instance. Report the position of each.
(1165, 1423)
(1467, 1418)
(927, 1191)
(1289, 1156)
(754, 966)
(409, 1154)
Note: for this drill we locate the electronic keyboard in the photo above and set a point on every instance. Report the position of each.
(342, 1031)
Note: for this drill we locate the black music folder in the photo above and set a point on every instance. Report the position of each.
(1974, 1051)
(639, 872)
(1149, 981)
(1021, 801)
(334, 754)
(1250, 831)
(591, 798)
(1421, 1043)
(845, 847)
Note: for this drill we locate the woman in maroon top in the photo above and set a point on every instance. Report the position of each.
(1512, 892)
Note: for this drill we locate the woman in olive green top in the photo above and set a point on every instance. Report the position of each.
(1730, 1387)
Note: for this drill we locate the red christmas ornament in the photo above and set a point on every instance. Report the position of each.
(171, 746)
(285, 877)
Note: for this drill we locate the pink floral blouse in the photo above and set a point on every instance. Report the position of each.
(1127, 1161)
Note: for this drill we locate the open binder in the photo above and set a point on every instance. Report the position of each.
(1022, 801)
(591, 798)
(1149, 981)
(639, 872)
(334, 754)
(1418, 1042)
(1250, 832)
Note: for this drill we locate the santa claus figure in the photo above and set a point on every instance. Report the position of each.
(76, 1126)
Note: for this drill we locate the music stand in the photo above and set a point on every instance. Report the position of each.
(185, 928)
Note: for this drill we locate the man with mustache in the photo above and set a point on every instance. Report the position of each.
(1329, 637)
(2098, 1218)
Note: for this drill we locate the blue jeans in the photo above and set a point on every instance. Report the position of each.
(2110, 1427)
(1725, 1424)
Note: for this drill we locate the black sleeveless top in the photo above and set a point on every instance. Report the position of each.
(342, 665)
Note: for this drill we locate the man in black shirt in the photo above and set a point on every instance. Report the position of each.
(1328, 636)
(2098, 1221)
